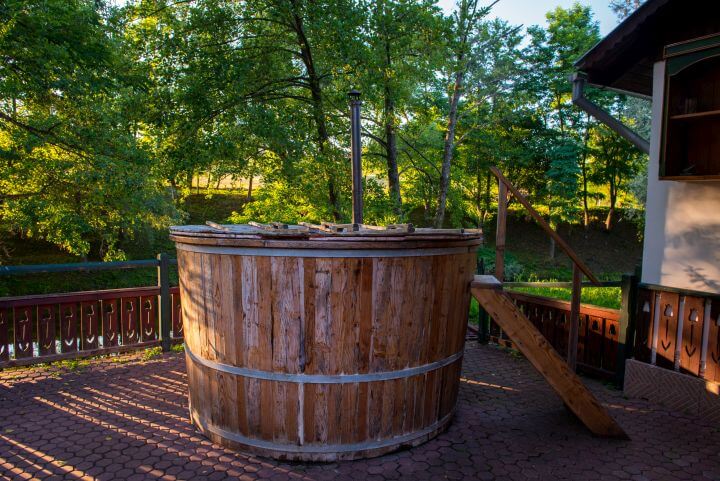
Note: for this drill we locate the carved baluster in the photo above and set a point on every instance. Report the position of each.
(110, 323)
(46, 329)
(149, 324)
(177, 326)
(23, 343)
(89, 325)
(611, 337)
(712, 343)
(4, 328)
(667, 330)
(68, 327)
(692, 333)
(130, 321)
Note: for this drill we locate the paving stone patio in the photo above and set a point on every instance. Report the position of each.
(125, 418)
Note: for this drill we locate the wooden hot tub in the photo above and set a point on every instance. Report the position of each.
(323, 346)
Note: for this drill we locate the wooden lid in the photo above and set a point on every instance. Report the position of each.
(321, 235)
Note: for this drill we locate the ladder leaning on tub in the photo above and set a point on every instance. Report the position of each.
(489, 292)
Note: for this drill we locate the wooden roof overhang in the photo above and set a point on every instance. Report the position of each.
(624, 59)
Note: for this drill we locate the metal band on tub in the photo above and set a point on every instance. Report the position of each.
(323, 378)
(325, 253)
(320, 449)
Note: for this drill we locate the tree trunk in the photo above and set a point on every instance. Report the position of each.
(318, 111)
(449, 146)
(391, 154)
(613, 200)
(250, 186)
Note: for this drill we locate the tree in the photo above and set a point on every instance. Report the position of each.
(69, 108)
(405, 49)
(623, 8)
(616, 163)
(466, 21)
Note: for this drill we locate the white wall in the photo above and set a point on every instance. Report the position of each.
(682, 226)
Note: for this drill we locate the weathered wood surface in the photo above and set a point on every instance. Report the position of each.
(679, 330)
(51, 327)
(323, 316)
(488, 291)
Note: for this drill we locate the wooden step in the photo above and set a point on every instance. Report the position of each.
(489, 293)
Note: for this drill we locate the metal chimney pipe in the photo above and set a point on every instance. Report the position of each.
(356, 150)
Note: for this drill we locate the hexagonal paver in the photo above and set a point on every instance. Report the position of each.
(111, 421)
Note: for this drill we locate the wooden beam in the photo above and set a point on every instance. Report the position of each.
(544, 358)
(574, 326)
(546, 227)
(500, 232)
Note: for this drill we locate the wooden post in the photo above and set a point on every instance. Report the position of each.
(626, 326)
(483, 318)
(500, 232)
(574, 327)
(165, 303)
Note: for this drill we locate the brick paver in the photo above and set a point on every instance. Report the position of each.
(129, 421)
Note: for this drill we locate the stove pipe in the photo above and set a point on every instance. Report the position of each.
(355, 148)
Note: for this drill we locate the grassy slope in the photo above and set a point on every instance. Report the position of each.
(607, 254)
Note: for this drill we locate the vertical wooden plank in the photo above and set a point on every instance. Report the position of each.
(500, 232)
(667, 332)
(89, 328)
(240, 356)
(380, 402)
(338, 269)
(4, 337)
(47, 319)
(150, 319)
(286, 319)
(177, 324)
(129, 320)
(365, 345)
(110, 324)
(693, 326)
(644, 315)
(609, 361)
(261, 338)
(223, 273)
(68, 327)
(23, 342)
(712, 371)
(574, 317)
(594, 339)
(679, 332)
(350, 349)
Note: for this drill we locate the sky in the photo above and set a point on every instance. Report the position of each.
(532, 12)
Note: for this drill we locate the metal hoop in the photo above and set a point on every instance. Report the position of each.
(323, 378)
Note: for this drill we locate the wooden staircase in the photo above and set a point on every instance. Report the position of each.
(489, 293)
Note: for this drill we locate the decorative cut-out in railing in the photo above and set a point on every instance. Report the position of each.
(43, 328)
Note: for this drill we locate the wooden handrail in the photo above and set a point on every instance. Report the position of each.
(546, 227)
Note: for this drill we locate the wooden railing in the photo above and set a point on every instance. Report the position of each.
(679, 330)
(580, 269)
(44, 328)
(598, 331)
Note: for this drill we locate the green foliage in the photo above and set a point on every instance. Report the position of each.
(151, 353)
(610, 297)
(177, 348)
(71, 168)
(110, 113)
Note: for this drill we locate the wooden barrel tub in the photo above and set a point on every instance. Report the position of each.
(323, 347)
